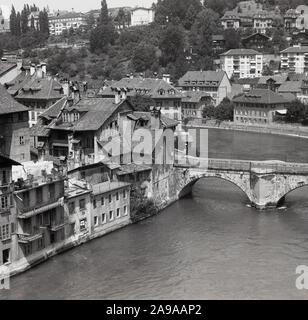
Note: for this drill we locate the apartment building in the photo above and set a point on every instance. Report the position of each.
(259, 106)
(40, 215)
(66, 21)
(294, 59)
(14, 128)
(215, 84)
(242, 63)
(7, 211)
(263, 21)
(193, 104)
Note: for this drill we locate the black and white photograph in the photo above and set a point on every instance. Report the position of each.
(153, 150)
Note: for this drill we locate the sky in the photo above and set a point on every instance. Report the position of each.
(77, 5)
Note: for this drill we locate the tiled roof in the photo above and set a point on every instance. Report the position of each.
(108, 186)
(165, 121)
(260, 96)
(42, 89)
(54, 110)
(194, 96)
(302, 49)
(132, 168)
(256, 34)
(149, 86)
(240, 52)
(279, 79)
(67, 15)
(15, 85)
(8, 104)
(290, 86)
(203, 78)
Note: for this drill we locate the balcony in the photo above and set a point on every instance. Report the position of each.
(54, 227)
(29, 211)
(26, 238)
(60, 143)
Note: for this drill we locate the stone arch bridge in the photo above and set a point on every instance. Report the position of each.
(265, 183)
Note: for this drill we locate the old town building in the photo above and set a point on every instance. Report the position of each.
(256, 41)
(35, 90)
(193, 104)
(242, 63)
(7, 211)
(14, 129)
(213, 83)
(142, 16)
(258, 106)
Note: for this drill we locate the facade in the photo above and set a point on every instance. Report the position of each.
(193, 104)
(259, 106)
(40, 215)
(34, 89)
(242, 63)
(218, 43)
(294, 59)
(256, 41)
(231, 20)
(7, 212)
(14, 128)
(4, 23)
(142, 16)
(296, 19)
(66, 21)
(213, 83)
(262, 21)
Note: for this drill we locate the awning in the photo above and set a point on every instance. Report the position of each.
(282, 112)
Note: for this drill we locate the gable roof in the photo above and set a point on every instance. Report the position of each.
(301, 49)
(54, 110)
(203, 78)
(149, 86)
(8, 104)
(240, 52)
(6, 67)
(195, 96)
(279, 79)
(290, 86)
(260, 96)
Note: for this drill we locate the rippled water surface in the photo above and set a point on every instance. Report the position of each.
(207, 246)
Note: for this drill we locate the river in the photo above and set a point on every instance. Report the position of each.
(210, 245)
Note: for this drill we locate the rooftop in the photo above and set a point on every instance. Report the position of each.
(8, 104)
(108, 186)
(195, 96)
(301, 49)
(290, 86)
(6, 66)
(260, 96)
(241, 52)
(203, 78)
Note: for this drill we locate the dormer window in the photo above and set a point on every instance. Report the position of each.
(161, 92)
(65, 117)
(76, 116)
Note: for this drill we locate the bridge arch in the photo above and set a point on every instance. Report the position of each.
(283, 196)
(238, 183)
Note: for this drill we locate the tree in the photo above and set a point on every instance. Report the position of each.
(144, 57)
(208, 112)
(141, 102)
(13, 21)
(43, 22)
(297, 112)
(18, 25)
(171, 44)
(225, 110)
(104, 15)
(24, 17)
(206, 24)
(233, 39)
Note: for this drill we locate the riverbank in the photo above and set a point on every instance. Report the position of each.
(277, 129)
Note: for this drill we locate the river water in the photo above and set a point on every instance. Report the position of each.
(210, 245)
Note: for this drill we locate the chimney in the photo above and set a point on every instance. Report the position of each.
(66, 88)
(39, 72)
(44, 69)
(155, 117)
(117, 96)
(131, 76)
(166, 77)
(123, 93)
(32, 69)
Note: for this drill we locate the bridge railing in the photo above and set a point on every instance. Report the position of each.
(243, 165)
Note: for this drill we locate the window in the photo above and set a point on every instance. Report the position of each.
(21, 140)
(125, 210)
(117, 196)
(6, 256)
(110, 198)
(118, 213)
(94, 203)
(103, 218)
(5, 232)
(4, 202)
(71, 207)
(82, 204)
(103, 201)
(124, 194)
(95, 221)
(83, 224)
(110, 215)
